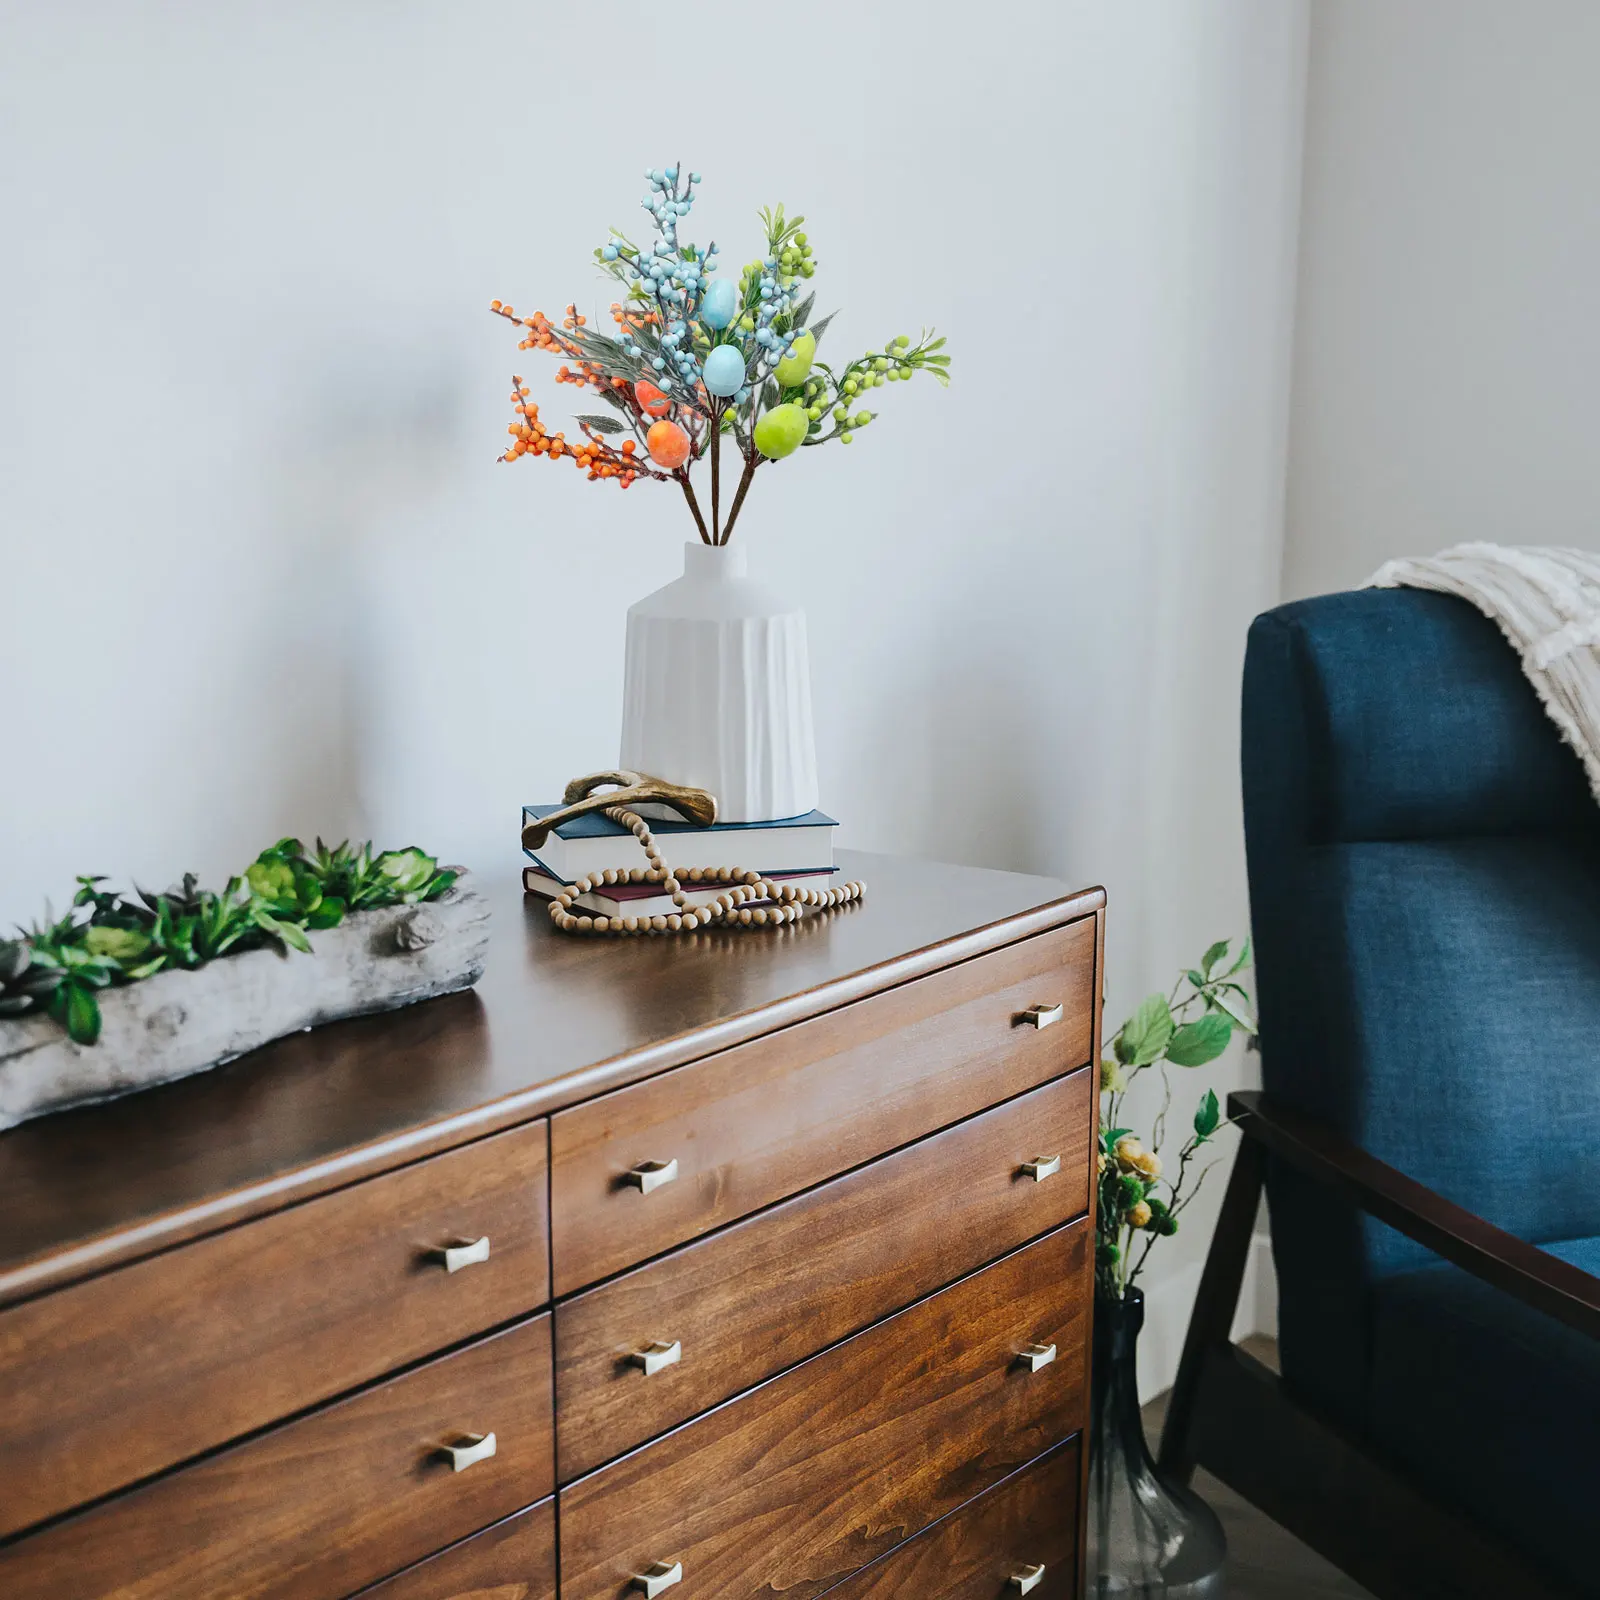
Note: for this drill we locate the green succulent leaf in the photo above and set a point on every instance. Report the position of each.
(1207, 1116)
(328, 914)
(76, 1008)
(290, 935)
(115, 944)
(272, 879)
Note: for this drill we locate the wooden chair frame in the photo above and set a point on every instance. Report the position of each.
(1237, 1419)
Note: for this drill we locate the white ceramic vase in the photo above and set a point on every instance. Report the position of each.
(717, 690)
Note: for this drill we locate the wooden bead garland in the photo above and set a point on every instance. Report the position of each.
(788, 901)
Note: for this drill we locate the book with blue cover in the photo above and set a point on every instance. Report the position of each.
(590, 843)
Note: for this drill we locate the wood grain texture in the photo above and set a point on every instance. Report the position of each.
(793, 1487)
(757, 1123)
(513, 1560)
(1024, 1522)
(772, 1290)
(553, 1021)
(114, 1379)
(322, 1506)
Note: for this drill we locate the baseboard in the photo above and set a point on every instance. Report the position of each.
(1168, 1302)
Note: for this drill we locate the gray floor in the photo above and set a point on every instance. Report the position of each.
(1264, 1562)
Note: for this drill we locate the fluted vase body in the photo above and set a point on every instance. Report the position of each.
(717, 690)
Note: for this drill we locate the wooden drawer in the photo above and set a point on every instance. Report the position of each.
(774, 1289)
(766, 1119)
(793, 1487)
(1028, 1521)
(319, 1507)
(127, 1374)
(513, 1560)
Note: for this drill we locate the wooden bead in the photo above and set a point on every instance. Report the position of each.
(564, 900)
(695, 874)
(759, 917)
(674, 922)
(602, 924)
(658, 923)
(744, 917)
(585, 923)
(679, 898)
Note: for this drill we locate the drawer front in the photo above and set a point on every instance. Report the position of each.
(767, 1119)
(793, 1487)
(122, 1376)
(1027, 1522)
(316, 1509)
(774, 1289)
(513, 1560)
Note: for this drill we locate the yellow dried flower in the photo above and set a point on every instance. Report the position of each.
(1139, 1215)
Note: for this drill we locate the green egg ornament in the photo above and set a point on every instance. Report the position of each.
(794, 366)
(782, 431)
(718, 304)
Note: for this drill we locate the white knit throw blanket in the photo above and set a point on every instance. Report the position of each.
(1547, 603)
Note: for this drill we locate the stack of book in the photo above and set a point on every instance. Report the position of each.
(798, 849)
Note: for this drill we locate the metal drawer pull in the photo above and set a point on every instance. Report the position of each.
(1026, 1579)
(658, 1577)
(464, 1254)
(650, 1175)
(1042, 1167)
(474, 1447)
(1035, 1356)
(656, 1355)
(1042, 1016)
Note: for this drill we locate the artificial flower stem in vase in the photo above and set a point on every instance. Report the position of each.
(1149, 1537)
(718, 692)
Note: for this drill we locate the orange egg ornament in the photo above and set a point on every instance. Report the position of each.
(668, 445)
(650, 398)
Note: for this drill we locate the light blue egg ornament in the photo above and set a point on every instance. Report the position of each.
(724, 370)
(720, 302)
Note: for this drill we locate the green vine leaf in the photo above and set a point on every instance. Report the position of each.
(1146, 1034)
(1200, 1041)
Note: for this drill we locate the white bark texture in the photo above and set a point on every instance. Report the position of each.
(178, 1023)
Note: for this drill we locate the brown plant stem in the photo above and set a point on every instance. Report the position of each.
(694, 505)
(744, 488)
(716, 474)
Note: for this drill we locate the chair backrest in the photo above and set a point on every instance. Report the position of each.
(1424, 858)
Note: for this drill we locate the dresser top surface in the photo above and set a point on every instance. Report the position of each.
(554, 1020)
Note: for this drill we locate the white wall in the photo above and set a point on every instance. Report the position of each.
(1447, 368)
(261, 572)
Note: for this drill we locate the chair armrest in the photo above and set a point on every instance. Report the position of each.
(1555, 1287)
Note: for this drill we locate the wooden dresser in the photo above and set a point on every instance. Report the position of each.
(744, 1263)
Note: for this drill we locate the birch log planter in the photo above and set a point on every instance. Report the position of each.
(178, 1023)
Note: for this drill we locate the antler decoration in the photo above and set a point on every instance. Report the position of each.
(621, 789)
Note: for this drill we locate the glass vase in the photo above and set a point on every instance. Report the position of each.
(1148, 1537)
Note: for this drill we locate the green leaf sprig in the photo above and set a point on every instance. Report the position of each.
(1188, 1028)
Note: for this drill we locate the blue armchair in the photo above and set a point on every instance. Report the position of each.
(1424, 860)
